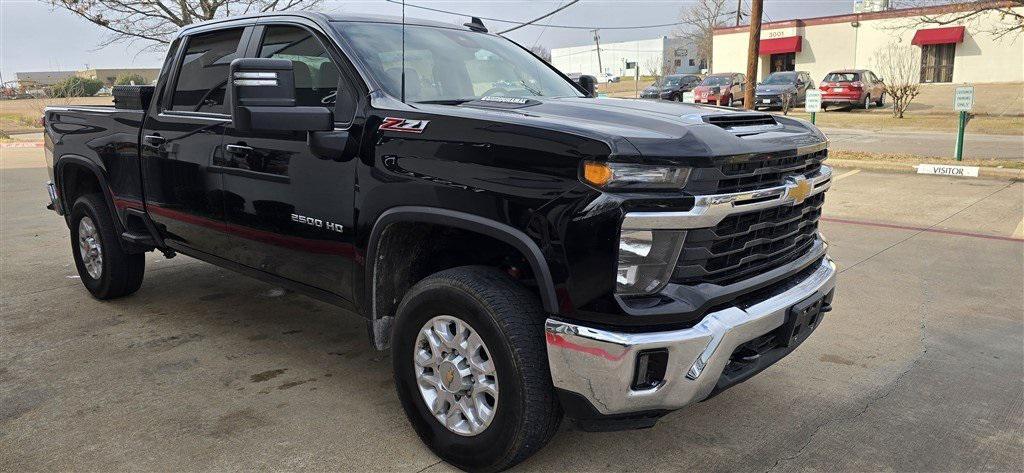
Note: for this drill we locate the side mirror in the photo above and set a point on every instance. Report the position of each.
(263, 98)
(589, 84)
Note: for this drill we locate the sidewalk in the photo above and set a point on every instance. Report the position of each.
(925, 143)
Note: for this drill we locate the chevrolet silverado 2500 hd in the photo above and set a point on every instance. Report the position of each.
(523, 249)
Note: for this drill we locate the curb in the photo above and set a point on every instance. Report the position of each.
(983, 172)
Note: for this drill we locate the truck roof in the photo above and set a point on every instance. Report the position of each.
(325, 17)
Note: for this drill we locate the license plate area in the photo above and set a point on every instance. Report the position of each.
(838, 89)
(801, 319)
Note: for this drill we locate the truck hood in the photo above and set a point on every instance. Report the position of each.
(653, 129)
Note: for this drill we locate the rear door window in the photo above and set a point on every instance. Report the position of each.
(203, 75)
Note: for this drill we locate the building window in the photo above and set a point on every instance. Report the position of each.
(783, 62)
(937, 62)
(678, 62)
(693, 63)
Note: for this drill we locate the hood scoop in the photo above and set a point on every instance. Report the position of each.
(743, 123)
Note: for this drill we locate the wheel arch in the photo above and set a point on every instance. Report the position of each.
(504, 233)
(72, 163)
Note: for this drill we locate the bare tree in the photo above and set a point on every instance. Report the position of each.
(653, 68)
(157, 21)
(541, 52)
(899, 66)
(1009, 15)
(699, 21)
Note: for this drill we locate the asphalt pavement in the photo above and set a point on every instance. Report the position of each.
(926, 143)
(919, 367)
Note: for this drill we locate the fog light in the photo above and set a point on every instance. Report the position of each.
(646, 260)
(650, 369)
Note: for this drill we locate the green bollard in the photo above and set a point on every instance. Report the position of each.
(960, 136)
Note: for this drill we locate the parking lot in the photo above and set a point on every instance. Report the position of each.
(919, 367)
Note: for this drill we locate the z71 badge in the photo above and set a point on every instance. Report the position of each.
(403, 125)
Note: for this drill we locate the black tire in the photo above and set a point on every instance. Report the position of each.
(867, 102)
(510, 321)
(881, 100)
(121, 273)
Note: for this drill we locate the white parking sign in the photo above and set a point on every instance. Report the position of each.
(688, 97)
(813, 101)
(963, 99)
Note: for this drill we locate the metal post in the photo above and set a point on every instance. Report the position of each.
(960, 136)
(636, 81)
(813, 116)
(597, 42)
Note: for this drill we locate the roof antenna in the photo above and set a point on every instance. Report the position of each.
(475, 25)
(403, 51)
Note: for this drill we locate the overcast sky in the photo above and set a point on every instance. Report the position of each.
(33, 37)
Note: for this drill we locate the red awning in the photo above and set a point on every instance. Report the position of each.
(952, 34)
(789, 44)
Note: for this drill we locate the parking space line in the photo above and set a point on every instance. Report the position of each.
(846, 174)
(922, 229)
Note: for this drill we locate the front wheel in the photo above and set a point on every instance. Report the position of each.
(471, 370)
(881, 100)
(106, 270)
(867, 102)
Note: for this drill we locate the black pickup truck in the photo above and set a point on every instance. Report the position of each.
(524, 249)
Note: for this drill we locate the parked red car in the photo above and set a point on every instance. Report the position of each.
(724, 88)
(855, 87)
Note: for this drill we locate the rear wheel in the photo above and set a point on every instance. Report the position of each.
(107, 271)
(470, 367)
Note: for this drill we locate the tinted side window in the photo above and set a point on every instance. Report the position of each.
(316, 75)
(204, 71)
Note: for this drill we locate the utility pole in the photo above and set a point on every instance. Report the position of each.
(739, 11)
(753, 49)
(597, 41)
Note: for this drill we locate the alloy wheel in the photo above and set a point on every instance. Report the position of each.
(455, 375)
(89, 247)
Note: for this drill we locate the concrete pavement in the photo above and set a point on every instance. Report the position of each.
(927, 143)
(919, 366)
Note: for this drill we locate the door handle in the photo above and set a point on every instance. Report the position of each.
(153, 140)
(238, 149)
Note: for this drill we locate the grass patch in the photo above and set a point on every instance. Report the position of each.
(910, 159)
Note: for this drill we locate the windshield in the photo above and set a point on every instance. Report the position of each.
(780, 79)
(672, 81)
(717, 80)
(443, 64)
(842, 77)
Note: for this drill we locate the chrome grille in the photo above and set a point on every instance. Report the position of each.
(750, 243)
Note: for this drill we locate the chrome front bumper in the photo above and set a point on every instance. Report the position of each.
(599, 365)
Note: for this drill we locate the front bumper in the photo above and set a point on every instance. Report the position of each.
(599, 366)
(768, 101)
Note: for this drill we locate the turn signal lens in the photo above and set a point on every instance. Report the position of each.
(635, 176)
(597, 174)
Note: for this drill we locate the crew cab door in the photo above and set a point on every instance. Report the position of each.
(289, 195)
(181, 138)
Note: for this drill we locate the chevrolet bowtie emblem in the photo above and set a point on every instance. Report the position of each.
(798, 188)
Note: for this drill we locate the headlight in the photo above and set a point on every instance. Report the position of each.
(634, 176)
(646, 260)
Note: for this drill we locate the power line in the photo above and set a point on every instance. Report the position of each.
(552, 12)
(547, 25)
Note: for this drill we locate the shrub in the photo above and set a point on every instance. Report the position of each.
(128, 79)
(75, 86)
